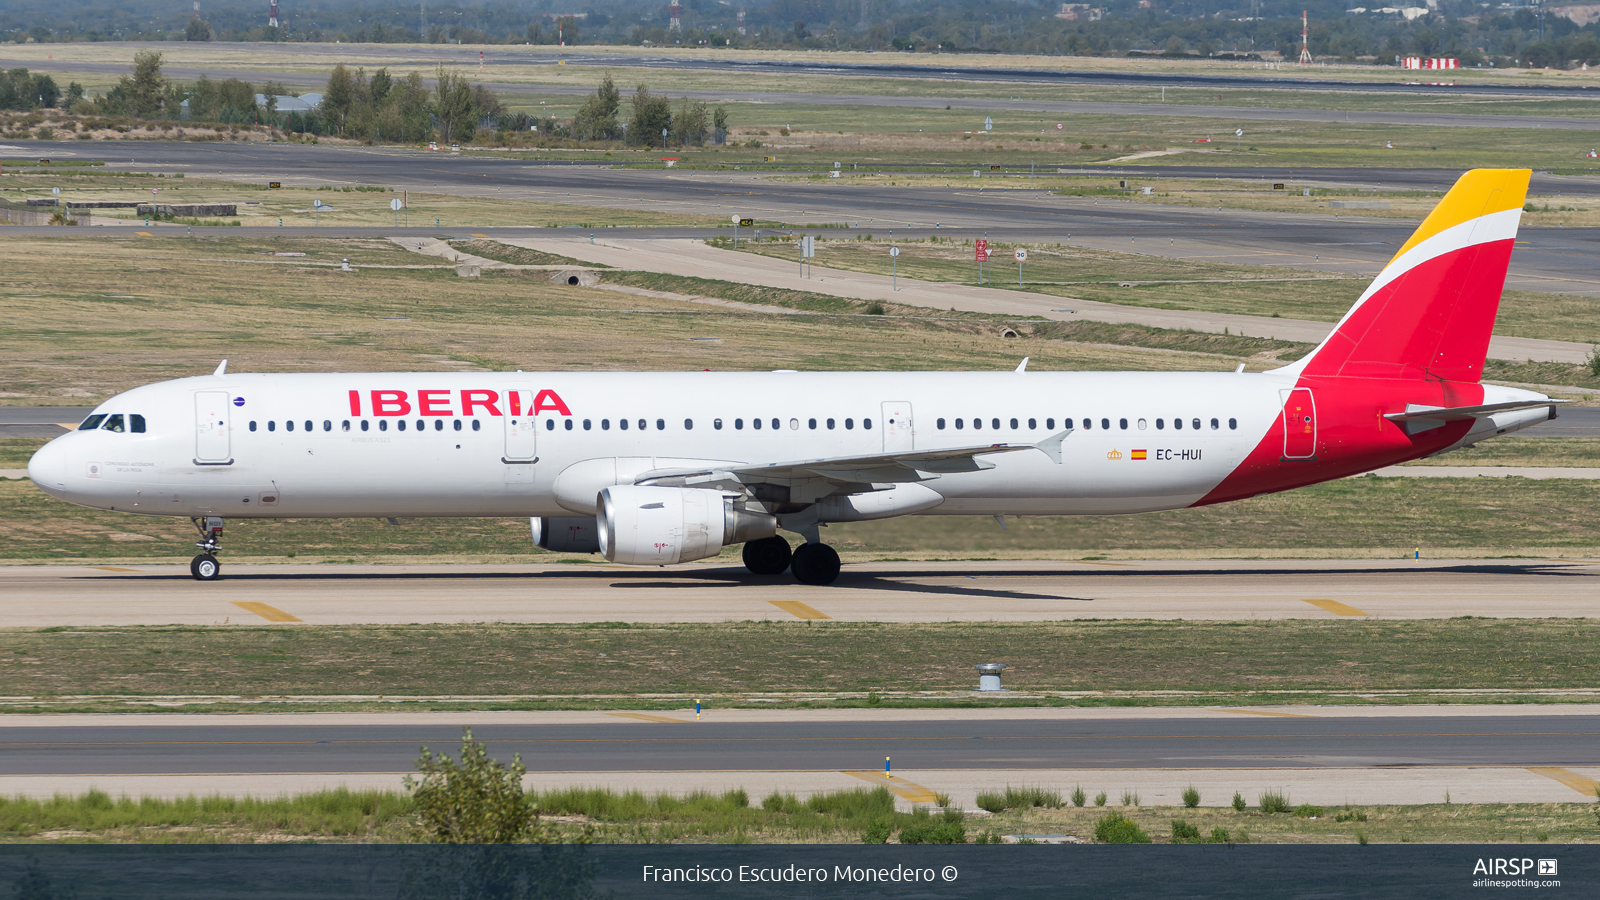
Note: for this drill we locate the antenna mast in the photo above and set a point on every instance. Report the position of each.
(272, 18)
(1305, 40)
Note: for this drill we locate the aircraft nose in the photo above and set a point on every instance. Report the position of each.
(48, 467)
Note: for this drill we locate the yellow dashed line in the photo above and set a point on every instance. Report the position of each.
(1263, 712)
(480, 235)
(1571, 779)
(1335, 607)
(113, 569)
(907, 790)
(646, 717)
(799, 610)
(270, 613)
(144, 234)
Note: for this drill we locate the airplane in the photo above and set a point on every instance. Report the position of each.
(663, 468)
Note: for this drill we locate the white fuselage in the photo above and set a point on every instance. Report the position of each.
(455, 444)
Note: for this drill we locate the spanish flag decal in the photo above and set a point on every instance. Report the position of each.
(1138, 454)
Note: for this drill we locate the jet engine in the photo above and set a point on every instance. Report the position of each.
(661, 526)
(567, 534)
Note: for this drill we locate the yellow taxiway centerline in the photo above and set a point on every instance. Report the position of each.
(1582, 784)
(799, 610)
(646, 717)
(1335, 607)
(906, 790)
(270, 613)
(1262, 712)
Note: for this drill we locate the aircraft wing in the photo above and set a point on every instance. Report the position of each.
(853, 473)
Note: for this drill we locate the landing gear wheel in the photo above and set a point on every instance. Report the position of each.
(815, 564)
(767, 556)
(205, 567)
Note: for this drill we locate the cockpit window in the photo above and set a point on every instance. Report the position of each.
(114, 423)
(136, 423)
(92, 422)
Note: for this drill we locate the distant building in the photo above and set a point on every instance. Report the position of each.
(1080, 12)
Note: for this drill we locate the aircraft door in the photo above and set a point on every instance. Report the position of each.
(522, 434)
(899, 433)
(212, 415)
(1299, 424)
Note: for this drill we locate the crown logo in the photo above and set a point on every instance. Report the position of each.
(1115, 454)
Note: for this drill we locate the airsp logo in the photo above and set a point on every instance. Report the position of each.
(1547, 867)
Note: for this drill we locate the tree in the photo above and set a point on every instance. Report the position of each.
(691, 123)
(476, 801)
(378, 88)
(651, 114)
(458, 121)
(719, 118)
(74, 93)
(338, 95)
(147, 89)
(198, 29)
(597, 119)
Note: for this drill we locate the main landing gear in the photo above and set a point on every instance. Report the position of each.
(810, 563)
(205, 566)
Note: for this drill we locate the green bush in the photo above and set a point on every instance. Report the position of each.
(991, 801)
(949, 828)
(1351, 815)
(1130, 798)
(1116, 828)
(1307, 811)
(1100, 799)
(1361, 837)
(780, 802)
(1274, 802)
(1184, 833)
(1220, 836)
(476, 801)
(876, 833)
(1191, 797)
(1078, 797)
(1238, 801)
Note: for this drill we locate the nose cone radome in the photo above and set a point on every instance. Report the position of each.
(48, 468)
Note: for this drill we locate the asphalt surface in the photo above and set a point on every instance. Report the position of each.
(315, 593)
(1249, 742)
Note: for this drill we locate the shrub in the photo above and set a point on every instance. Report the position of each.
(1238, 801)
(1191, 797)
(1361, 837)
(941, 800)
(876, 833)
(991, 801)
(1130, 798)
(780, 802)
(47, 134)
(1100, 799)
(1026, 797)
(1307, 811)
(476, 801)
(949, 828)
(1116, 828)
(1274, 802)
(1357, 815)
(875, 308)
(1184, 833)
(1078, 797)
(1220, 836)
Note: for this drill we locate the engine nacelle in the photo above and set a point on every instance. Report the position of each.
(567, 534)
(662, 526)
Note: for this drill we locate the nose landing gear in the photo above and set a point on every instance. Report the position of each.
(205, 566)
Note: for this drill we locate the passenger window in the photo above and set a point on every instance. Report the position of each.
(1214, 424)
(812, 424)
(438, 424)
(252, 426)
(622, 424)
(977, 424)
(738, 424)
(400, 425)
(383, 424)
(1033, 423)
(867, 424)
(642, 424)
(1161, 424)
(1177, 424)
(716, 424)
(271, 425)
(605, 424)
(92, 422)
(830, 424)
(958, 425)
(849, 424)
(1105, 423)
(288, 425)
(457, 424)
(421, 425)
(476, 425)
(345, 426)
(688, 424)
(794, 424)
(588, 425)
(363, 425)
(939, 424)
(114, 423)
(1088, 424)
(1051, 424)
(310, 427)
(1142, 423)
(1123, 424)
(661, 424)
(1195, 424)
(1233, 423)
(775, 425)
(1013, 424)
(327, 425)
(549, 424)
(569, 424)
(756, 424)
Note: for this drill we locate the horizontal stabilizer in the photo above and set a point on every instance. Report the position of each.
(1458, 413)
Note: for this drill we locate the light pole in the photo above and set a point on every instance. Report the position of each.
(663, 140)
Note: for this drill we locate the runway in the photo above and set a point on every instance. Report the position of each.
(1332, 755)
(998, 591)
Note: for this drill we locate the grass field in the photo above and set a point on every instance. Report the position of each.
(1244, 661)
(605, 816)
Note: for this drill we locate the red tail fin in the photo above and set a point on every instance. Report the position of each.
(1431, 311)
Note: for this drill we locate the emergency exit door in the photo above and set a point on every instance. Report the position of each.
(899, 431)
(212, 415)
(1299, 424)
